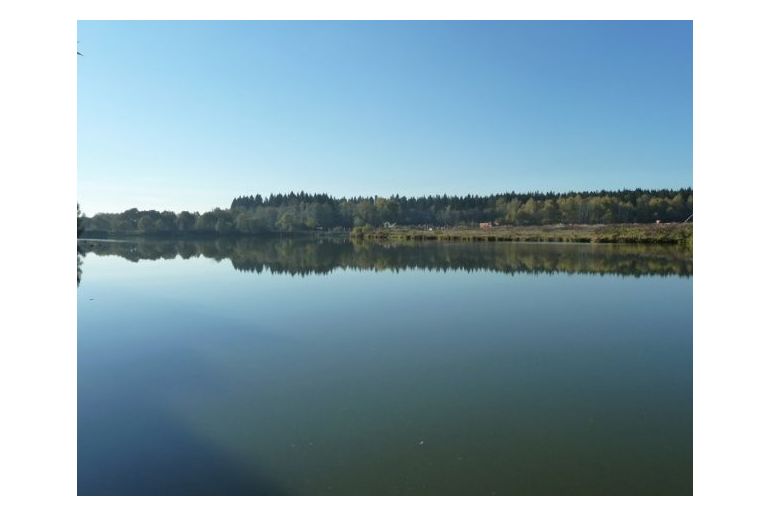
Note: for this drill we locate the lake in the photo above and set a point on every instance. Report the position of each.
(328, 367)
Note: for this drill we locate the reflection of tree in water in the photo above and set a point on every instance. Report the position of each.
(79, 233)
(81, 253)
(311, 256)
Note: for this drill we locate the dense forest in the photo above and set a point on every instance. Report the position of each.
(297, 212)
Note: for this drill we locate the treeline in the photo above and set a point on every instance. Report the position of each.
(296, 212)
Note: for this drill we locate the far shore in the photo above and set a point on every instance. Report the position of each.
(664, 233)
(670, 233)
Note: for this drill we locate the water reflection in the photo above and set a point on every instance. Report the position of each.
(555, 375)
(81, 254)
(321, 256)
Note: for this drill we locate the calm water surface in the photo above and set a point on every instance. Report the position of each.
(305, 367)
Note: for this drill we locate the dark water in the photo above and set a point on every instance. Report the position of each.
(306, 367)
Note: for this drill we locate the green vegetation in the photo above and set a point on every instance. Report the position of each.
(81, 222)
(616, 233)
(302, 212)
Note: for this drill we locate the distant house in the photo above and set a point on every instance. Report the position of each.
(485, 225)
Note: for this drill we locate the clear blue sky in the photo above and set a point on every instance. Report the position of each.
(187, 115)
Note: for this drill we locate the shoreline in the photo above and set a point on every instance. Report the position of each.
(668, 233)
(665, 233)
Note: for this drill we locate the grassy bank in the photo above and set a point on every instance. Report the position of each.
(598, 233)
